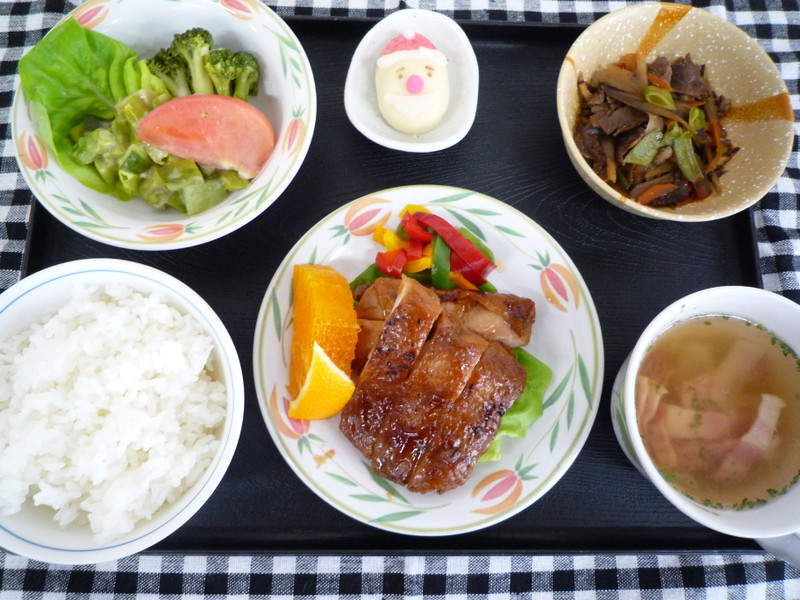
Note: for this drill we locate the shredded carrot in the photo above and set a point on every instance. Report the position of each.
(659, 82)
(630, 61)
(654, 191)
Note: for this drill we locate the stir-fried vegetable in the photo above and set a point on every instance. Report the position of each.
(428, 248)
(653, 131)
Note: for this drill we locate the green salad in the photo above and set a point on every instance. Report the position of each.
(88, 93)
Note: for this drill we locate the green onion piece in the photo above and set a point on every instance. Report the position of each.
(686, 157)
(645, 149)
(672, 133)
(697, 118)
(659, 97)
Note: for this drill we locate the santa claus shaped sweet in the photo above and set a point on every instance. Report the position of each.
(412, 83)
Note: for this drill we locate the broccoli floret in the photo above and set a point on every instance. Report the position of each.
(193, 45)
(247, 74)
(168, 67)
(222, 70)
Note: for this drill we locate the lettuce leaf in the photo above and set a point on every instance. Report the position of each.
(71, 73)
(527, 408)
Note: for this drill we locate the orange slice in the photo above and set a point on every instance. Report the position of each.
(323, 313)
(326, 389)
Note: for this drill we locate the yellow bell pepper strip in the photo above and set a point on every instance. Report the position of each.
(475, 266)
(388, 239)
(413, 208)
(418, 265)
(461, 281)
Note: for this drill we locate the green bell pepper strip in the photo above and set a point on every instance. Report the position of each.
(478, 266)
(440, 266)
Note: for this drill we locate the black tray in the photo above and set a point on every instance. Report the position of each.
(514, 152)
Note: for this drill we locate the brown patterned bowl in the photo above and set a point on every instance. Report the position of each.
(760, 121)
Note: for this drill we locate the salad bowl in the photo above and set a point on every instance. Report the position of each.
(286, 95)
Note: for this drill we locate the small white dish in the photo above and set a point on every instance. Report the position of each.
(360, 98)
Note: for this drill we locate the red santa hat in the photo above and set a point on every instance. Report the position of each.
(409, 45)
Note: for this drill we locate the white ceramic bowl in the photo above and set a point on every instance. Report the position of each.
(286, 95)
(761, 122)
(32, 532)
(360, 97)
(780, 316)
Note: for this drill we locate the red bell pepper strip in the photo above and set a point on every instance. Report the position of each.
(414, 249)
(413, 229)
(476, 267)
(392, 262)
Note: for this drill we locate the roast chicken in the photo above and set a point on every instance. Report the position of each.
(435, 374)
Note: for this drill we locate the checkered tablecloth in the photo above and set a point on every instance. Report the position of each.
(776, 25)
(634, 577)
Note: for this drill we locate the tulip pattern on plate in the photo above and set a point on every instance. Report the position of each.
(566, 336)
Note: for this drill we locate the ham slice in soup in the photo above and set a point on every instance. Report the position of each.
(743, 363)
(711, 424)
(648, 398)
(756, 443)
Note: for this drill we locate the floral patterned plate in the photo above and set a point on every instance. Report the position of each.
(286, 95)
(566, 336)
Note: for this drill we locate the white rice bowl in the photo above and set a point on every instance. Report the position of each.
(121, 403)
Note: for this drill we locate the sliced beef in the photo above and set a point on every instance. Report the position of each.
(687, 78)
(661, 67)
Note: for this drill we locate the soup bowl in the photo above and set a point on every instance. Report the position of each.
(765, 521)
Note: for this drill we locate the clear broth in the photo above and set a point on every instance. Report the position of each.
(718, 405)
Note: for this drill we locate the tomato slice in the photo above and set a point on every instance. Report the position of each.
(221, 132)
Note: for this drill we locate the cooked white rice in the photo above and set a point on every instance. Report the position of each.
(108, 410)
